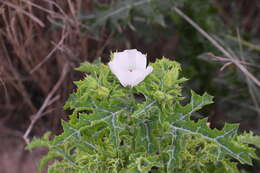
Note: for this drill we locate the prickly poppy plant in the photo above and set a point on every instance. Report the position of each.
(141, 129)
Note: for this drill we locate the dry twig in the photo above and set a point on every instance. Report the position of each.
(238, 64)
(230, 58)
(21, 10)
(50, 54)
(48, 101)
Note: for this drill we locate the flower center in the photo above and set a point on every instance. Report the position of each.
(131, 67)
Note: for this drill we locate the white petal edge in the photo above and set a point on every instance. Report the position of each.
(141, 76)
(120, 73)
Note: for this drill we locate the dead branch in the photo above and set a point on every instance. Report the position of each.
(230, 57)
(19, 9)
(50, 54)
(48, 101)
(229, 61)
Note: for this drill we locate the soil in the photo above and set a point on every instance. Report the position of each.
(14, 159)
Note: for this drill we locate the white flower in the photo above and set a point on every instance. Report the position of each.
(129, 67)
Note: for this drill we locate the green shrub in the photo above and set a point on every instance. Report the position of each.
(143, 129)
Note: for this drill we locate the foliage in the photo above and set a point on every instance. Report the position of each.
(141, 129)
(153, 26)
(121, 13)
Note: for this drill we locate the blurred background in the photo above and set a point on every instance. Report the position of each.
(43, 41)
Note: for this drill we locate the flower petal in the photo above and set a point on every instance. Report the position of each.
(129, 67)
(148, 70)
(121, 60)
(140, 60)
(120, 73)
(139, 76)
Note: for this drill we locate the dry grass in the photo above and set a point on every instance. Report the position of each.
(37, 57)
(34, 52)
(36, 69)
